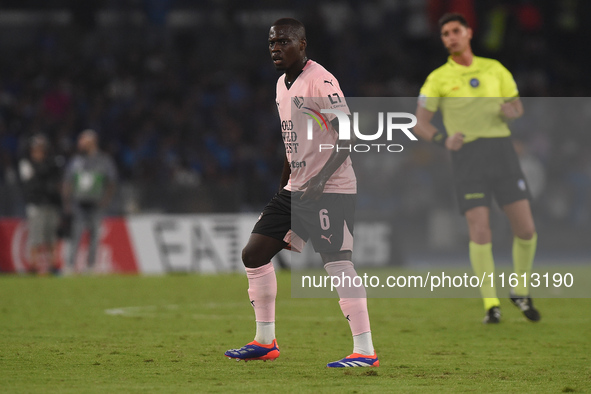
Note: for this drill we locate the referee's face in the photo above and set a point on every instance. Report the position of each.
(456, 37)
(286, 49)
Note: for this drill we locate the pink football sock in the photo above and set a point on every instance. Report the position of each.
(353, 299)
(262, 291)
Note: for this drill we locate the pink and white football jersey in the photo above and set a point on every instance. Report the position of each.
(313, 90)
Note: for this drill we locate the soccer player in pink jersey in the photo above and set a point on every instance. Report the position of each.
(316, 200)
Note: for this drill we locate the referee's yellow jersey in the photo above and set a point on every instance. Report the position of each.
(470, 97)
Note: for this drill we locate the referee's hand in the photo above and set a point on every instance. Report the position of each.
(455, 142)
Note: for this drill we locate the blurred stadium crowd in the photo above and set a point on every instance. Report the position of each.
(182, 92)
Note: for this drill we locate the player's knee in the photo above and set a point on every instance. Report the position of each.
(526, 233)
(480, 234)
(246, 257)
(250, 258)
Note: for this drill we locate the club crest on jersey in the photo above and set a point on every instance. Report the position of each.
(298, 101)
(474, 82)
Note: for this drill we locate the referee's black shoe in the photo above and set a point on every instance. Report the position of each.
(493, 316)
(526, 305)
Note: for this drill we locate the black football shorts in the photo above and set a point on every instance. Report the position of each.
(327, 222)
(488, 168)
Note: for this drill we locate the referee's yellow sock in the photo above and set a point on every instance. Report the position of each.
(524, 251)
(481, 258)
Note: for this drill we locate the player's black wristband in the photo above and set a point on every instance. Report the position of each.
(439, 138)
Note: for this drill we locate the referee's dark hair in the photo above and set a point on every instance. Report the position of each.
(453, 17)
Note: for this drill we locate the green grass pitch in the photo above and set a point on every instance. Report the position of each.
(165, 334)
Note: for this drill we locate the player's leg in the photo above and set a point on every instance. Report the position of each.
(524, 249)
(352, 300)
(260, 249)
(481, 258)
(330, 223)
(78, 226)
(471, 168)
(52, 239)
(95, 219)
(49, 233)
(524, 241)
(353, 303)
(262, 283)
(264, 243)
(512, 193)
(36, 258)
(262, 291)
(35, 236)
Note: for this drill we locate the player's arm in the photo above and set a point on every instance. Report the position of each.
(314, 187)
(426, 131)
(512, 109)
(284, 174)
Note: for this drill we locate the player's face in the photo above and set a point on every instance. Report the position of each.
(286, 49)
(85, 143)
(456, 37)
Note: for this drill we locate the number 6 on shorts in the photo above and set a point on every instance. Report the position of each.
(324, 220)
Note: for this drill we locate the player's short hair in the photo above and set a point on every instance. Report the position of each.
(453, 17)
(295, 26)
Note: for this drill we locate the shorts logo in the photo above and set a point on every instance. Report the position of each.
(473, 196)
(521, 185)
(328, 239)
(474, 82)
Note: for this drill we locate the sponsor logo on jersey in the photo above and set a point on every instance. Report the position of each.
(297, 164)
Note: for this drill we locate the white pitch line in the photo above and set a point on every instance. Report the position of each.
(158, 311)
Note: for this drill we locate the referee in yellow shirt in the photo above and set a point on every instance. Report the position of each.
(477, 96)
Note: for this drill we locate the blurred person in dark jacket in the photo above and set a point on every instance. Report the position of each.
(40, 174)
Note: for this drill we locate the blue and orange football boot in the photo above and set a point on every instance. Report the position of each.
(356, 360)
(254, 351)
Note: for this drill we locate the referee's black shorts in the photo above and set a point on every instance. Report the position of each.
(487, 168)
